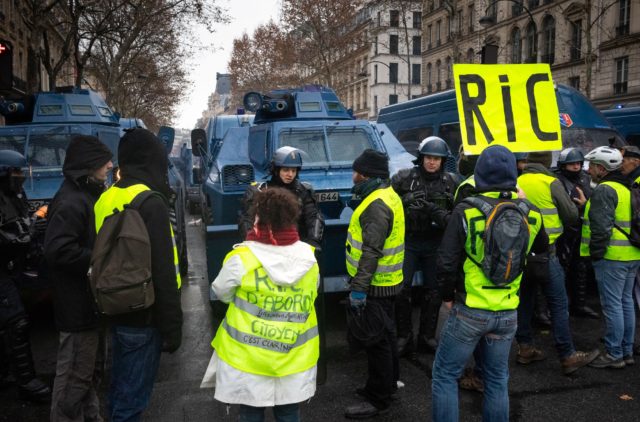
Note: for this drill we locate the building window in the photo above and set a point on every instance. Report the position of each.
(574, 82)
(415, 74)
(394, 18)
(438, 83)
(533, 4)
(378, 19)
(470, 18)
(576, 40)
(622, 75)
(492, 10)
(516, 46)
(417, 45)
(549, 39)
(429, 33)
(460, 20)
(516, 9)
(471, 56)
(449, 28)
(393, 73)
(531, 43)
(417, 20)
(375, 104)
(429, 80)
(393, 44)
(393, 99)
(438, 26)
(431, 5)
(375, 73)
(623, 18)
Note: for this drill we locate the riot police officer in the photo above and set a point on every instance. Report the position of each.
(15, 228)
(285, 169)
(426, 190)
(575, 181)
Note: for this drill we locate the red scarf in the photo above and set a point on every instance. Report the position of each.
(264, 234)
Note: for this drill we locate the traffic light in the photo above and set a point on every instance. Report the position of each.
(6, 65)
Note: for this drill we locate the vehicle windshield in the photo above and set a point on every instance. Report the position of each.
(588, 139)
(48, 148)
(13, 143)
(338, 146)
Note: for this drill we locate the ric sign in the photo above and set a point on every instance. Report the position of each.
(512, 105)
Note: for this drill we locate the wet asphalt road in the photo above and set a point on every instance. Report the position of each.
(538, 392)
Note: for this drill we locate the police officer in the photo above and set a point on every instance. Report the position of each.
(285, 169)
(15, 226)
(425, 189)
(615, 260)
(576, 182)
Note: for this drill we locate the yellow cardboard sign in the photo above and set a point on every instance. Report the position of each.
(513, 105)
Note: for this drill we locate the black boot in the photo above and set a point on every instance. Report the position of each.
(429, 321)
(541, 312)
(29, 386)
(579, 297)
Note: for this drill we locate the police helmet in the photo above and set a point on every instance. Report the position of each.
(11, 160)
(570, 155)
(521, 156)
(434, 146)
(287, 157)
(607, 157)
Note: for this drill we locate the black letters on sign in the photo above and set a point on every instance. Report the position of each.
(533, 110)
(508, 108)
(471, 106)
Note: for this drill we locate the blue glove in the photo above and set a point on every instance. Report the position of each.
(357, 300)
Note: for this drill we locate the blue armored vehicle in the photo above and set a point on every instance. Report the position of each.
(312, 119)
(626, 119)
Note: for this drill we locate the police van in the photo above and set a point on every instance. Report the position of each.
(626, 119)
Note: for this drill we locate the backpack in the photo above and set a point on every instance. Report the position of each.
(506, 239)
(634, 234)
(120, 271)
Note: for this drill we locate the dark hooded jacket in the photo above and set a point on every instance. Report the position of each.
(71, 234)
(143, 160)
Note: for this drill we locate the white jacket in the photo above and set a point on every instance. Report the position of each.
(285, 265)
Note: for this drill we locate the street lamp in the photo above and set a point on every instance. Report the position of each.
(490, 51)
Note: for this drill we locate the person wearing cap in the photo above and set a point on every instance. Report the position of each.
(426, 191)
(15, 238)
(480, 317)
(68, 245)
(285, 171)
(615, 260)
(374, 256)
(559, 213)
(577, 183)
(631, 162)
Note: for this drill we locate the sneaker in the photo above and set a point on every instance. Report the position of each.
(608, 361)
(35, 390)
(577, 360)
(363, 410)
(629, 360)
(528, 353)
(471, 381)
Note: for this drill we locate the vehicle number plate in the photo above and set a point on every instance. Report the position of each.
(327, 196)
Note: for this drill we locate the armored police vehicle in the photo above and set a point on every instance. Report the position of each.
(581, 123)
(312, 119)
(626, 119)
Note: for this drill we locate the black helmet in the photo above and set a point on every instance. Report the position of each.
(433, 146)
(570, 155)
(10, 160)
(520, 156)
(287, 157)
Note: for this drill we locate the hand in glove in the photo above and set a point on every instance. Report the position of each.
(411, 197)
(357, 300)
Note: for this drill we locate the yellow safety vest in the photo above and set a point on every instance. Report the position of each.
(389, 271)
(537, 188)
(269, 329)
(482, 293)
(116, 198)
(619, 248)
(468, 181)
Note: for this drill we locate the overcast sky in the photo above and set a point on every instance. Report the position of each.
(245, 15)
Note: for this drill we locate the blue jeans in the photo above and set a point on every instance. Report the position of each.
(493, 333)
(136, 355)
(615, 284)
(281, 413)
(555, 292)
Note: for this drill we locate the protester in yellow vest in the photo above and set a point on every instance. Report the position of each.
(484, 314)
(615, 260)
(140, 336)
(375, 252)
(559, 213)
(267, 346)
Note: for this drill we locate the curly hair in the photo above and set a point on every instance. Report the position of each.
(277, 208)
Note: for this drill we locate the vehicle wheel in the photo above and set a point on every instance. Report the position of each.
(193, 207)
(207, 215)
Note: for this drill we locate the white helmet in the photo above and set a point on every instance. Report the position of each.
(608, 157)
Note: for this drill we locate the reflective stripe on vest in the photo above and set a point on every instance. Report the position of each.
(537, 188)
(115, 198)
(619, 248)
(481, 293)
(269, 329)
(468, 181)
(389, 271)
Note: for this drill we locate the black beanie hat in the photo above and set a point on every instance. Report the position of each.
(541, 157)
(496, 169)
(372, 163)
(84, 155)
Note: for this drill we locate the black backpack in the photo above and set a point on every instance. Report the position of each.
(634, 234)
(120, 272)
(506, 239)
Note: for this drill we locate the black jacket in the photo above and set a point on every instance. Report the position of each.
(68, 244)
(310, 224)
(451, 253)
(14, 225)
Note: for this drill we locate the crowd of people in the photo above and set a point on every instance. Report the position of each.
(500, 241)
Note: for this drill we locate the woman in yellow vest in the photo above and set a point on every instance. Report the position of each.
(267, 346)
